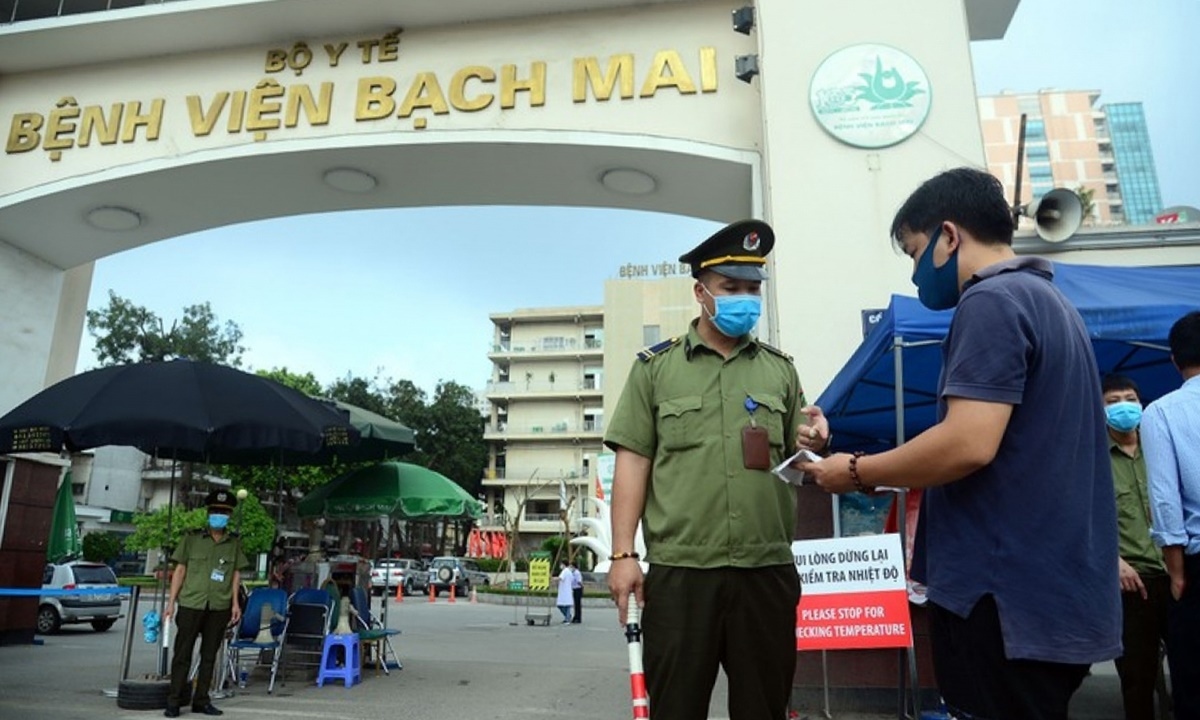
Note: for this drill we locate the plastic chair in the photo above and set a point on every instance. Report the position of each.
(310, 611)
(372, 633)
(350, 669)
(249, 633)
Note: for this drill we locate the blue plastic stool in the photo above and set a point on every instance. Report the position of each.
(350, 669)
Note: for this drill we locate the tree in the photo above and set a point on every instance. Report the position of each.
(360, 392)
(306, 383)
(250, 520)
(128, 333)
(101, 546)
(451, 442)
(407, 404)
(1087, 197)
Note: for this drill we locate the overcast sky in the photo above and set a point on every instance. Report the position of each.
(356, 306)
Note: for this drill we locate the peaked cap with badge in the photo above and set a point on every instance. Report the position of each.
(221, 500)
(738, 250)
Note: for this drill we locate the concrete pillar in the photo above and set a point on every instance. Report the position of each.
(42, 311)
(831, 204)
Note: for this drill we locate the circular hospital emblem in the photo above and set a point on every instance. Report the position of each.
(870, 96)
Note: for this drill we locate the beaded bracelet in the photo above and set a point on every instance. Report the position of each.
(622, 556)
(858, 485)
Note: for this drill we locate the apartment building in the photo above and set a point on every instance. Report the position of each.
(1072, 142)
(556, 374)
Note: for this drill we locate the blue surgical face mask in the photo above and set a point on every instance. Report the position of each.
(937, 287)
(736, 315)
(218, 521)
(1124, 416)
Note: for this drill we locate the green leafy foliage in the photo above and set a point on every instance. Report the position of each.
(495, 565)
(101, 546)
(1087, 198)
(449, 431)
(128, 333)
(150, 529)
(250, 520)
(451, 439)
(361, 392)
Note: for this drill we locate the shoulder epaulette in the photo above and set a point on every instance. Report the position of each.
(774, 350)
(649, 353)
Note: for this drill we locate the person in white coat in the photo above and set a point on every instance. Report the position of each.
(566, 596)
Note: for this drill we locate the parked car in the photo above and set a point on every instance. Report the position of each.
(54, 611)
(391, 573)
(462, 573)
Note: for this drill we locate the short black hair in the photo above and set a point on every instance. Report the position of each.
(1112, 382)
(969, 198)
(1184, 340)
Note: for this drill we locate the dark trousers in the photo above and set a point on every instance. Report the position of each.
(210, 626)
(739, 619)
(577, 593)
(977, 680)
(1183, 644)
(1144, 629)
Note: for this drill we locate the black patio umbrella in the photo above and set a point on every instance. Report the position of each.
(181, 409)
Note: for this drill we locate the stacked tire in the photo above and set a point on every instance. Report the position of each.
(142, 694)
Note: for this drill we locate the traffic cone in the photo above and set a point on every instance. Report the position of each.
(399, 594)
(474, 599)
(432, 597)
(452, 587)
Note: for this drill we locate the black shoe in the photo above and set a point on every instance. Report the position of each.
(208, 709)
(171, 711)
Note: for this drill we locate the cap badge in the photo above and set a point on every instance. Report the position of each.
(750, 242)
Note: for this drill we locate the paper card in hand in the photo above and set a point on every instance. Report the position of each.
(793, 476)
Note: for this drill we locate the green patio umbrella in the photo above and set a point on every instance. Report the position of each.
(396, 489)
(64, 530)
(377, 431)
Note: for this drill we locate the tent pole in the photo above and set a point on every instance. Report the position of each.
(165, 584)
(387, 572)
(908, 656)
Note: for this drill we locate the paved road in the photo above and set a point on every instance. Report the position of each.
(460, 661)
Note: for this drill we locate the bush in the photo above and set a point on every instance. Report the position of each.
(101, 546)
(496, 565)
(554, 546)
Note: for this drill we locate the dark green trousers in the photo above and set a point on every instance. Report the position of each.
(742, 620)
(209, 626)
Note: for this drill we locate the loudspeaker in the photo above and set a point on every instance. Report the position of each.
(743, 19)
(1057, 215)
(745, 67)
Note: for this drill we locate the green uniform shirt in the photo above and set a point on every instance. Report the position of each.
(1133, 511)
(683, 407)
(210, 566)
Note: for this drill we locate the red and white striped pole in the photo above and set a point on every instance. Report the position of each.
(637, 676)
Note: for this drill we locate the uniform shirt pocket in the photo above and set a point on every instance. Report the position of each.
(679, 422)
(1129, 507)
(772, 418)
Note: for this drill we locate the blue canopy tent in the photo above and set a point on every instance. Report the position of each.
(1128, 313)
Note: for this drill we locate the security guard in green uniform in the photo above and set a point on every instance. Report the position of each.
(208, 565)
(702, 420)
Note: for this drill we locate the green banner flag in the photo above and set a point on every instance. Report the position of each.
(64, 530)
